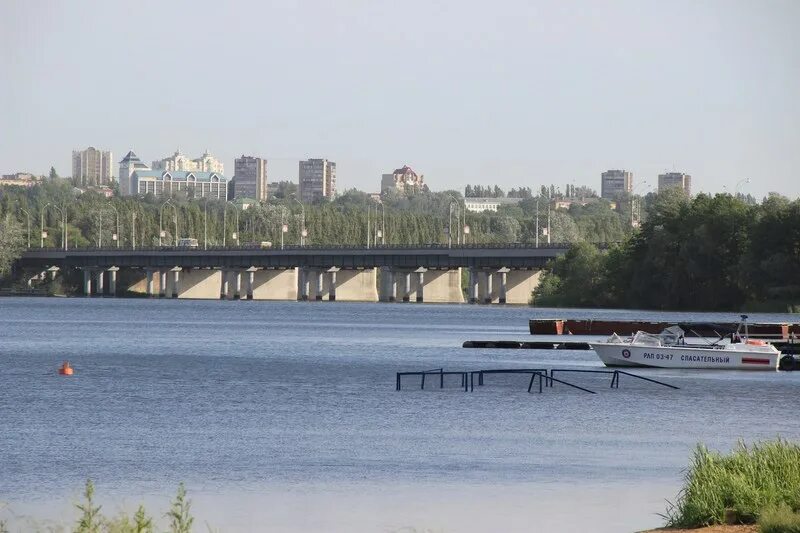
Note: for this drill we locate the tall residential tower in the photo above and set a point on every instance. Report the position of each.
(615, 183)
(92, 167)
(250, 178)
(675, 180)
(317, 179)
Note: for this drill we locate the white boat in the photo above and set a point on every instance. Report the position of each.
(670, 350)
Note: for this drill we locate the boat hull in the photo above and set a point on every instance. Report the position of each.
(619, 354)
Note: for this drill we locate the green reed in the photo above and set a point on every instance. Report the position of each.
(738, 486)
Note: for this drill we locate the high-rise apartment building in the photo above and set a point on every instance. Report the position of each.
(615, 183)
(317, 179)
(250, 178)
(92, 167)
(675, 179)
(179, 162)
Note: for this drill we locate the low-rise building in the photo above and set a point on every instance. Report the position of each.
(19, 179)
(479, 205)
(165, 183)
(403, 180)
(129, 164)
(179, 162)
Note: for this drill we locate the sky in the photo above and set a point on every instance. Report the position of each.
(514, 93)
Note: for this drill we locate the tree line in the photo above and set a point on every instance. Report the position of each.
(709, 252)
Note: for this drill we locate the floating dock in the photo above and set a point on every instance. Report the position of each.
(572, 326)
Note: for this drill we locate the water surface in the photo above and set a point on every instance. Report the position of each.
(266, 410)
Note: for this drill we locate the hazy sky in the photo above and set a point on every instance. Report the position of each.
(510, 92)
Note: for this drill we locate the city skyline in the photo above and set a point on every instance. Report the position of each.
(534, 102)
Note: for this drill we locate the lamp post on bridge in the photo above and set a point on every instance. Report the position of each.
(28, 215)
(161, 232)
(235, 235)
(303, 231)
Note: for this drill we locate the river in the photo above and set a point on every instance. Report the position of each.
(283, 416)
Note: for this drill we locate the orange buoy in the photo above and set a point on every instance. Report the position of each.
(65, 369)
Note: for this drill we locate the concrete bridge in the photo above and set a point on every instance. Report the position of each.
(506, 273)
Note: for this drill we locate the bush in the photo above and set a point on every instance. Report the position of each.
(744, 482)
(779, 519)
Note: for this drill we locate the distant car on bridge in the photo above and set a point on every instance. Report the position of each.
(187, 242)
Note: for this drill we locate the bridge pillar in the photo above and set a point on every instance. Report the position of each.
(503, 284)
(223, 291)
(53, 270)
(149, 274)
(276, 284)
(473, 286)
(162, 283)
(320, 275)
(407, 288)
(176, 272)
(99, 287)
(87, 283)
(487, 295)
(420, 283)
(332, 290)
(305, 284)
(112, 280)
(237, 285)
(357, 285)
(251, 276)
(521, 285)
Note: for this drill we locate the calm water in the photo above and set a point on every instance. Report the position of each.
(284, 416)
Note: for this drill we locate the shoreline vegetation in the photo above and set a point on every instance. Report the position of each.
(705, 253)
(710, 253)
(91, 520)
(752, 485)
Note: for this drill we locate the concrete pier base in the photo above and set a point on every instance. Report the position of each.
(423, 285)
(507, 286)
(357, 285)
(99, 288)
(112, 281)
(275, 284)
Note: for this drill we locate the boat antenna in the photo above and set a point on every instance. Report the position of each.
(744, 321)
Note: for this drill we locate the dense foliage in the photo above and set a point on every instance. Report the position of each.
(713, 253)
(421, 218)
(739, 487)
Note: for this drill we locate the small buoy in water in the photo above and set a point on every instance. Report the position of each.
(65, 369)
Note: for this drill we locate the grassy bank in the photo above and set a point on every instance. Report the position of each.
(90, 518)
(753, 484)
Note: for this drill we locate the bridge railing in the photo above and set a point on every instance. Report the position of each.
(432, 246)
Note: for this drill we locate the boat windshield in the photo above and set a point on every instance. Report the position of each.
(647, 339)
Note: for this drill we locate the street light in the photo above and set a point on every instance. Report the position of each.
(382, 231)
(28, 215)
(63, 225)
(303, 231)
(458, 220)
(205, 224)
(235, 235)
(161, 232)
(116, 236)
(738, 183)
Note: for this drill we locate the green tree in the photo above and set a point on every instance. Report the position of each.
(12, 242)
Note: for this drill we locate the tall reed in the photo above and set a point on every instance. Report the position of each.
(740, 484)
